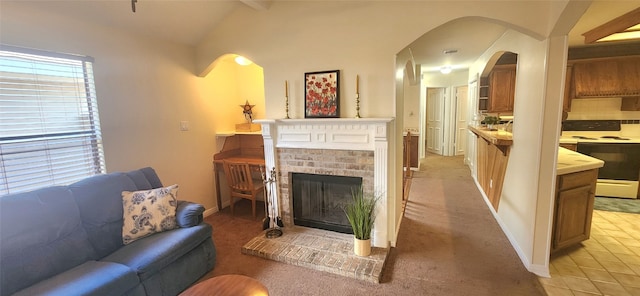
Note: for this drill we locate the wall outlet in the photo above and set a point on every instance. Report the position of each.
(184, 126)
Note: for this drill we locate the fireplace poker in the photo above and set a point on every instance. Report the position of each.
(265, 220)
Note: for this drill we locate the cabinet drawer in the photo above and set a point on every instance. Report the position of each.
(578, 179)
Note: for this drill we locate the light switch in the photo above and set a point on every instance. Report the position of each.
(184, 126)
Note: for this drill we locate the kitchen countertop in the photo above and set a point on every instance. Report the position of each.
(498, 138)
(570, 162)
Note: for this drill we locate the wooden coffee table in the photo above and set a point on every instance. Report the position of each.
(228, 285)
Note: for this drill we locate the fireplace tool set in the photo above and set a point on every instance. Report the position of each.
(272, 221)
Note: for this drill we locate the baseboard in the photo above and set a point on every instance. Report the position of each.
(540, 270)
(209, 212)
(534, 268)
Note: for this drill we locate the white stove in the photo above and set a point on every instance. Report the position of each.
(621, 155)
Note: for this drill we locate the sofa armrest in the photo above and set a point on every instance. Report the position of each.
(189, 214)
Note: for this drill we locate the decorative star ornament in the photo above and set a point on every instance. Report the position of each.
(246, 110)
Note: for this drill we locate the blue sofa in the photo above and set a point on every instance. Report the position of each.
(67, 240)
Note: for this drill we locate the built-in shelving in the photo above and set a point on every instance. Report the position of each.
(483, 103)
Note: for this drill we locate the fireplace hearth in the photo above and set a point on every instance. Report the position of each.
(319, 200)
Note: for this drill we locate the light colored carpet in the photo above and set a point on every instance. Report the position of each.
(449, 244)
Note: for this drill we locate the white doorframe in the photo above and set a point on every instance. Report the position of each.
(472, 105)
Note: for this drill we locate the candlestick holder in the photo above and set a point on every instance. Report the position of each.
(286, 108)
(357, 105)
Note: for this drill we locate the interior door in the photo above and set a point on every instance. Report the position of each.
(461, 120)
(435, 122)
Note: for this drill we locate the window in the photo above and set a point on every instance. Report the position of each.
(49, 126)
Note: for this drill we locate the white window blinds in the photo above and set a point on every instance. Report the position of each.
(49, 125)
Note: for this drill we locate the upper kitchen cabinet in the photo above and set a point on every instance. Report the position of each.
(502, 88)
(498, 84)
(569, 90)
(630, 104)
(607, 77)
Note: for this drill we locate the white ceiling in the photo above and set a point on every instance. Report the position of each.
(189, 21)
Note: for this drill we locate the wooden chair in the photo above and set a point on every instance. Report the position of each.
(241, 184)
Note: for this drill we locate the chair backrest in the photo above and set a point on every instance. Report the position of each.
(238, 176)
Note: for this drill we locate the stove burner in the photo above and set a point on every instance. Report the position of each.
(614, 137)
(584, 138)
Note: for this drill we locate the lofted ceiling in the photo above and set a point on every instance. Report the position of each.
(189, 21)
(181, 21)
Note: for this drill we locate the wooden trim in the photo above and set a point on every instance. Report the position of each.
(616, 25)
(616, 49)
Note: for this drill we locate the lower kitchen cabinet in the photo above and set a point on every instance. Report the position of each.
(572, 147)
(575, 195)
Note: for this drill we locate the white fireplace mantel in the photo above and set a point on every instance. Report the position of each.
(370, 134)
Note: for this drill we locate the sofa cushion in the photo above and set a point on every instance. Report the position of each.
(152, 177)
(189, 214)
(148, 211)
(148, 255)
(90, 278)
(100, 201)
(140, 179)
(42, 235)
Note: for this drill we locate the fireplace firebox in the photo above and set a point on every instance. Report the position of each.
(319, 200)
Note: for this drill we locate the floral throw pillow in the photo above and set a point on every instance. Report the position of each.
(148, 211)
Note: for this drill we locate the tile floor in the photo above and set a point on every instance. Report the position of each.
(606, 264)
(320, 250)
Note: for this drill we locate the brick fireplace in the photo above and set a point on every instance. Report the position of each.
(336, 147)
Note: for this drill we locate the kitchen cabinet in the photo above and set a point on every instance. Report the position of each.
(630, 104)
(607, 77)
(575, 196)
(568, 89)
(502, 82)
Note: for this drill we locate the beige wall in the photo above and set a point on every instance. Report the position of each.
(144, 87)
(519, 193)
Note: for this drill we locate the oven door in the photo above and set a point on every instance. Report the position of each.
(621, 171)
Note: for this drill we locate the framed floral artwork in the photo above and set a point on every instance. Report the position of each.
(322, 94)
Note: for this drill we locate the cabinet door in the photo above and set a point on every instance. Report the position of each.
(502, 89)
(568, 89)
(630, 104)
(574, 209)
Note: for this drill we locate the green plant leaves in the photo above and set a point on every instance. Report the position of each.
(361, 213)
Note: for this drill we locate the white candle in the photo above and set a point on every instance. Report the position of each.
(357, 84)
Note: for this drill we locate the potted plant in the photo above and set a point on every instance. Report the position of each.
(490, 121)
(361, 215)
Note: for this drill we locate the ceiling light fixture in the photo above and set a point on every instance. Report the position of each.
(450, 51)
(445, 69)
(240, 60)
